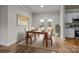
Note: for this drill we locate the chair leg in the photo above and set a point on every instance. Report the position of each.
(51, 42)
(43, 42)
(27, 41)
(30, 40)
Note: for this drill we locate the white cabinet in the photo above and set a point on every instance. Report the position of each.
(75, 15)
(69, 32)
(68, 18)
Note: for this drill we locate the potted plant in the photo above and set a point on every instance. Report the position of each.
(57, 29)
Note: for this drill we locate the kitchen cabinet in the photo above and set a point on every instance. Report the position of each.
(69, 32)
(68, 18)
(75, 15)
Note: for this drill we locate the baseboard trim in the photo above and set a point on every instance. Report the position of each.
(68, 38)
(19, 40)
(14, 45)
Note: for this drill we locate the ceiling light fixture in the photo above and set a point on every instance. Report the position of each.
(42, 6)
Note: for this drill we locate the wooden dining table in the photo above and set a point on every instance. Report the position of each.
(38, 32)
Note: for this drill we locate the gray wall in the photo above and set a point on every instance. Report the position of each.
(54, 16)
(0, 25)
(4, 25)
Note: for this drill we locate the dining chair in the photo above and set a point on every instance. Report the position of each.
(50, 33)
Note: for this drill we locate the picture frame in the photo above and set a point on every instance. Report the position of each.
(22, 20)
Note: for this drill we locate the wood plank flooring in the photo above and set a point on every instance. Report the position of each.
(67, 46)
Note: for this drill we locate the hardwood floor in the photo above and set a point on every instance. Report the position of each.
(67, 46)
(3, 49)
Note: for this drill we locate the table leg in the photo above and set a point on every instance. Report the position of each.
(46, 42)
(35, 36)
(27, 38)
(46, 39)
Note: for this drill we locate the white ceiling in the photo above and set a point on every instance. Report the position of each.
(47, 8)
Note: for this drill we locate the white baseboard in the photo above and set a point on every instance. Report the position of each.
(7, 43)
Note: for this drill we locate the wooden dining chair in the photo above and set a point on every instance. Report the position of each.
(49, 37)
(27, 37)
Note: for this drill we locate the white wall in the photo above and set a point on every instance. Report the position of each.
(16, 32)
(21, 30)
(12, 29)
(9, 23)
(62, 23)
(54, 16)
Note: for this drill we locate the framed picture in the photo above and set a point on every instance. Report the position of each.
(22, 20)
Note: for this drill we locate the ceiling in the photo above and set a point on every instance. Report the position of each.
(47, 8)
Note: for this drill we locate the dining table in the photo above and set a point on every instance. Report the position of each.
(36, 32)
